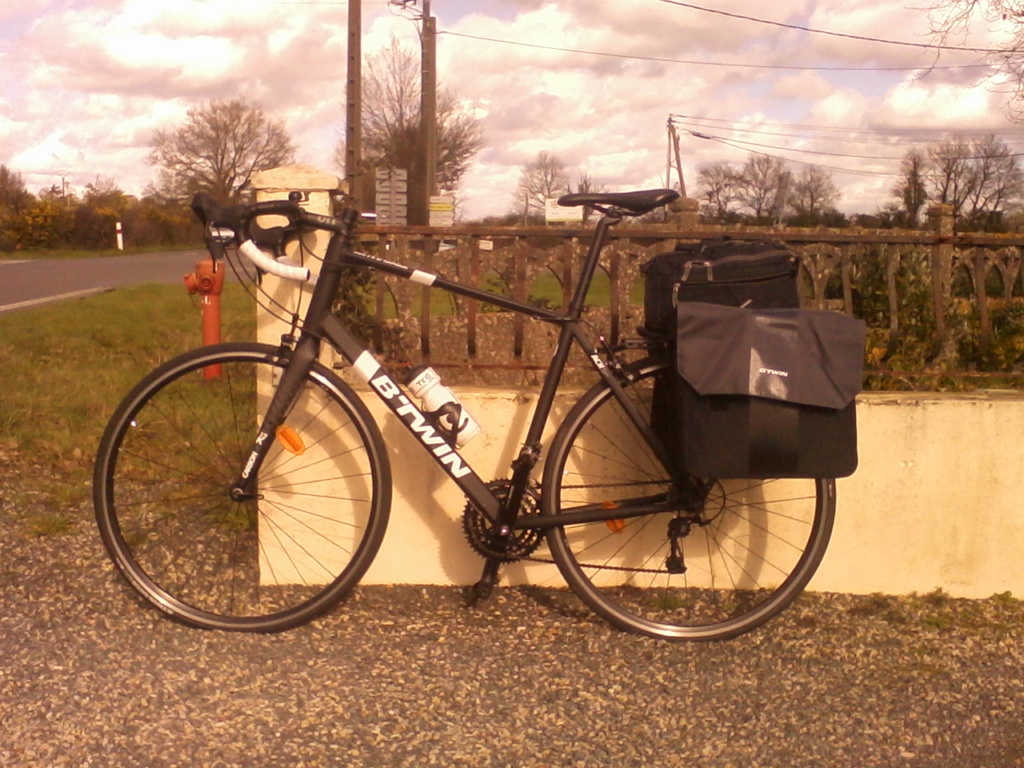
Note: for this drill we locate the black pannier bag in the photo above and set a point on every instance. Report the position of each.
(739, 435)
(769, 392)
(738, 273)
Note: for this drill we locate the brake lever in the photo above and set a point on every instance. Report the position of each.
(216, 250)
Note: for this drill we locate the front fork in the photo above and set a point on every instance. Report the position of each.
(300, 361)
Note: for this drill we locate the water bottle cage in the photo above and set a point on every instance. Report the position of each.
(448, 420)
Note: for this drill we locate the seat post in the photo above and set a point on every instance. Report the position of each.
(597, 243)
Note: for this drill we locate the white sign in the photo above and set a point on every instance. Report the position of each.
(556, 214)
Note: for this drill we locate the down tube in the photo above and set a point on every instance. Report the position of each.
(444, 455)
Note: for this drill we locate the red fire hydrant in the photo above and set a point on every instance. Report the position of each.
(208, 282)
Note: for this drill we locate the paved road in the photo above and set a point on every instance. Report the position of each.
(25, 284)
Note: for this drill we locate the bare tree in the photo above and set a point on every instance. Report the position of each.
(997, 179)
(979, 178)
(218, 148)
(391, 123)
(813, 193)
(949, 175)
(105, 193)
(541, 178)
(910, 189)
(951, 22)
(585, 183)
(718, 186)
(759, 184)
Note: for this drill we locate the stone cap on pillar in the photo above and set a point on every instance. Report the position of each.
(297, 176)
(686, 211)
(276, 183)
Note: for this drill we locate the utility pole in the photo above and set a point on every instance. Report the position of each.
(428, 107)
(424, 184)
(354, 104)
(675, 157)
(428, 94)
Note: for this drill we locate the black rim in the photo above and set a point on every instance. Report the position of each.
(169, 457)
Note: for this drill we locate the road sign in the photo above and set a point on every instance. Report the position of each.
(392, 196)
(442, 210)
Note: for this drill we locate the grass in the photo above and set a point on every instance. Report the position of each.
(67, 365)
(939, 612)
(65, 368)
(545, 291)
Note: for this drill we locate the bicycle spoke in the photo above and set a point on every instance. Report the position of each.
(164, 476)
(700, 569)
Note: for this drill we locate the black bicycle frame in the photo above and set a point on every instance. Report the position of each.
(504, 514)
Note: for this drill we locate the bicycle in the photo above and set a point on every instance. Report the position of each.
(211, 499)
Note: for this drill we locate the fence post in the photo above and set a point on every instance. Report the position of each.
(686, 212)
(940, 217)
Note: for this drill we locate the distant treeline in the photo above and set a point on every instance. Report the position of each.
(56, 218)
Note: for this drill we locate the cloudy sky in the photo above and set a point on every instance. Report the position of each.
(595, 82)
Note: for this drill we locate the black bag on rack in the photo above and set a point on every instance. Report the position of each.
(733, 428)
(738, 273)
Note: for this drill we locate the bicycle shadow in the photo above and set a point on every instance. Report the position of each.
(430, 546)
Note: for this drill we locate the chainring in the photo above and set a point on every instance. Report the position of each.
(482, 537)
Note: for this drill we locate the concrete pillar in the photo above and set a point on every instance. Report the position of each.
(317, 188)
(686, 213)
(293, 557)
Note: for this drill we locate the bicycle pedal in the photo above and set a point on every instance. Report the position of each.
(477, 593)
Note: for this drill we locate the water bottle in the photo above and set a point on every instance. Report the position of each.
(451, 419)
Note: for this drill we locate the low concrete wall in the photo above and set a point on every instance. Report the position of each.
(935, 503)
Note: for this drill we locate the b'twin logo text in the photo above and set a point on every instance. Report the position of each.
(434, 442)
(773, 372)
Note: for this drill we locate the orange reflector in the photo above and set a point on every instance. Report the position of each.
(290, 440)
(616, 526)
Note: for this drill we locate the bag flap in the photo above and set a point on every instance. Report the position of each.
(811, 357)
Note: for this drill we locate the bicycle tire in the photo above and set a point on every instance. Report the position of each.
(177, 443)
(749, 554)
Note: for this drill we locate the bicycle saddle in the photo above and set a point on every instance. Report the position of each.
(638, 202)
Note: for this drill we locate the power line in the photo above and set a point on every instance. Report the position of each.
(746, 147)
(767, 150)
(296, 2)
(728, 64)
(701, 135)
(801, 28)
(834, 133)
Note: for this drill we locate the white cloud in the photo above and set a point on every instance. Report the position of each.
(942, 107)
(89, 80)
(801, 86)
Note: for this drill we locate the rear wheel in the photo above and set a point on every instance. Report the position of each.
(705, 567)
(172, 451)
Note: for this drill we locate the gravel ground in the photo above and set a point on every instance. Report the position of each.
(406, 676)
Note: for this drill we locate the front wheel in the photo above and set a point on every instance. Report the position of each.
(165, 467)
(705, 570)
